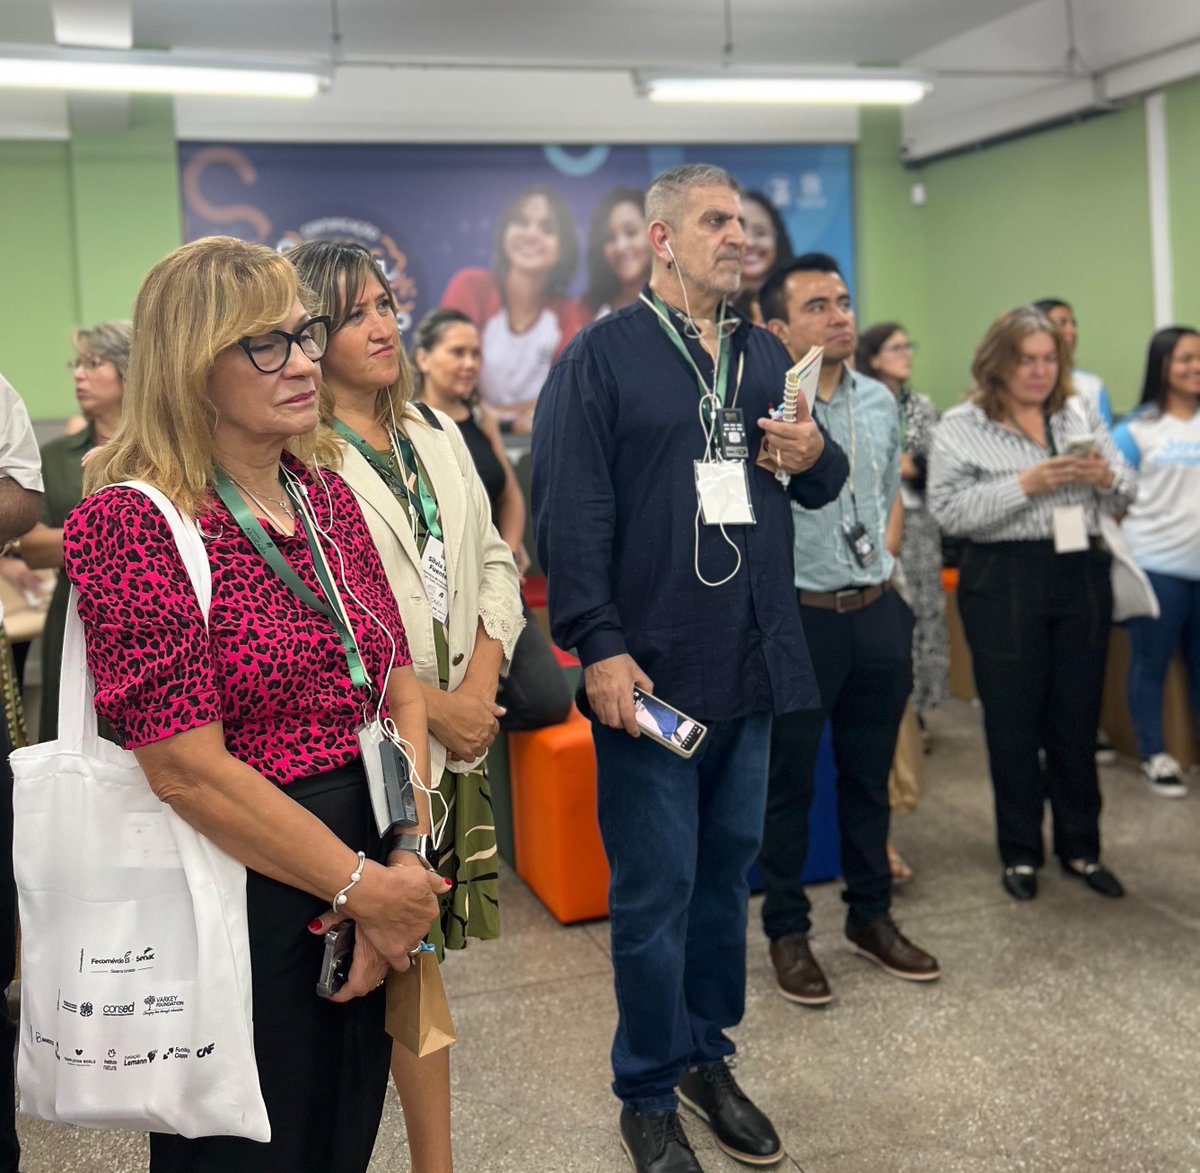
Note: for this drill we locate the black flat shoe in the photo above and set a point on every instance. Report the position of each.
(711, 1092)
(1097, 877)
(1020, 882)
(655, 1143)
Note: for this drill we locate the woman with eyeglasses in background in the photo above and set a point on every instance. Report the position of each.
(99, 368)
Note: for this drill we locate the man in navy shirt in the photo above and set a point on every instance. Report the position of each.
(659, 578)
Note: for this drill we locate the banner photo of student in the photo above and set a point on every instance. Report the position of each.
(531, 242)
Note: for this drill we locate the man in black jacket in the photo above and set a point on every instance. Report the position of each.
(669, 557)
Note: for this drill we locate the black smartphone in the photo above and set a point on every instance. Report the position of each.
(335, 965)
(668, 726)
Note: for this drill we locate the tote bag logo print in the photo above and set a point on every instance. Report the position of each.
(161, 914)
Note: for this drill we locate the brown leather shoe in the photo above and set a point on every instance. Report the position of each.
(797, 973)
(884, 944)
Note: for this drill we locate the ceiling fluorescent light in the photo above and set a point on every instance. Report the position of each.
(853, 87)
(134, 71)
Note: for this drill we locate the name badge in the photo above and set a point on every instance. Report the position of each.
(724, 492)
(437, 581)
(1070, 529)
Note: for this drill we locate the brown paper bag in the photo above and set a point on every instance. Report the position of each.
(418, 1014)
(904, 780)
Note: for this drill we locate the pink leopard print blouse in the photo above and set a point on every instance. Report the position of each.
(269, 667)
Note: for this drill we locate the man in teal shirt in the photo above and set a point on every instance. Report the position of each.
(859, 634)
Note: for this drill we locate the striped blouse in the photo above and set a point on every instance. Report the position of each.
(974, 490)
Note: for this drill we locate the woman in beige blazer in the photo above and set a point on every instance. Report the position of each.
(457, 586)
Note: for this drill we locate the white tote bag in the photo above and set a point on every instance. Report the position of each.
(135, 960)
(1133, 593)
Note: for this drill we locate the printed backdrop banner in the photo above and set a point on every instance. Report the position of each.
(448, 222)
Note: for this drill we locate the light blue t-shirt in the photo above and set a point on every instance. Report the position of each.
(1162, 525)
(824, 560)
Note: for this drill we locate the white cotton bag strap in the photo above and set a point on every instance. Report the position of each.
(76, 690)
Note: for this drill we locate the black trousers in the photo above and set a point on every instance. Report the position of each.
(863, 663)
(1038, 625)
(323, 1066)
(10, 1150)
(535, 691)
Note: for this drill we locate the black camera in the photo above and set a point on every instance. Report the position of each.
(860, 543)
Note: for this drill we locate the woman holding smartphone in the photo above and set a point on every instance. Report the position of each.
(1034, 589)
(1161, 439)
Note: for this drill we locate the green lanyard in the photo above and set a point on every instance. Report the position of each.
(720, 370)
(1050, 445)
(330, 606)
(402, 448)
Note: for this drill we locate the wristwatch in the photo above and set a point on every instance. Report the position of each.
(407, 841)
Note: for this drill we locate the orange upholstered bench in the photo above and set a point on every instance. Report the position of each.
(556, 836)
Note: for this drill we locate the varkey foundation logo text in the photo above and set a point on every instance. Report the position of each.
(162, 1004)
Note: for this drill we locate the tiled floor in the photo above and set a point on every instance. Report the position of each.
(1064, 1035)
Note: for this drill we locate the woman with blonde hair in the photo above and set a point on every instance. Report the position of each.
(1022, 470)
(99, 368)
(246, 721)
(456, 584)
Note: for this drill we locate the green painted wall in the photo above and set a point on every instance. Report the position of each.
(1060, 214)
(1183, 136)
(83, 221)
(890, 236)
(1065, 214)
(38, 297)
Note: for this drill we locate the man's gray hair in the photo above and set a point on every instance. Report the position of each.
(666, 194)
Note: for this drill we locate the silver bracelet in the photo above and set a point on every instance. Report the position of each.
(339, 901)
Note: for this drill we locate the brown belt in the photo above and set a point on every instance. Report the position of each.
(851, 599)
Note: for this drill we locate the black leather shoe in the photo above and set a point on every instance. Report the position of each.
(654, 1143)
(797, 973)
(739, 1127)
(884, 944)
(1020, 881)
(1097, 877)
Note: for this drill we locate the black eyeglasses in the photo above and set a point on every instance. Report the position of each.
(269, 352)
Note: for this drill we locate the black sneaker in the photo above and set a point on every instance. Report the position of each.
(654, 1143)
(711, 1092)
(1163, 775)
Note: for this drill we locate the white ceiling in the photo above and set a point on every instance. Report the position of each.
(558, 70)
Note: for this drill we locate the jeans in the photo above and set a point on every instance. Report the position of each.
(1038, 624)
(863, 663)
(1153, 643)
(680, 837)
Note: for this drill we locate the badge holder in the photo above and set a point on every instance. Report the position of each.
(724, 492)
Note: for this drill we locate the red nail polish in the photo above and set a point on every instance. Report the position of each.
(314, 926)
(449, 883)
